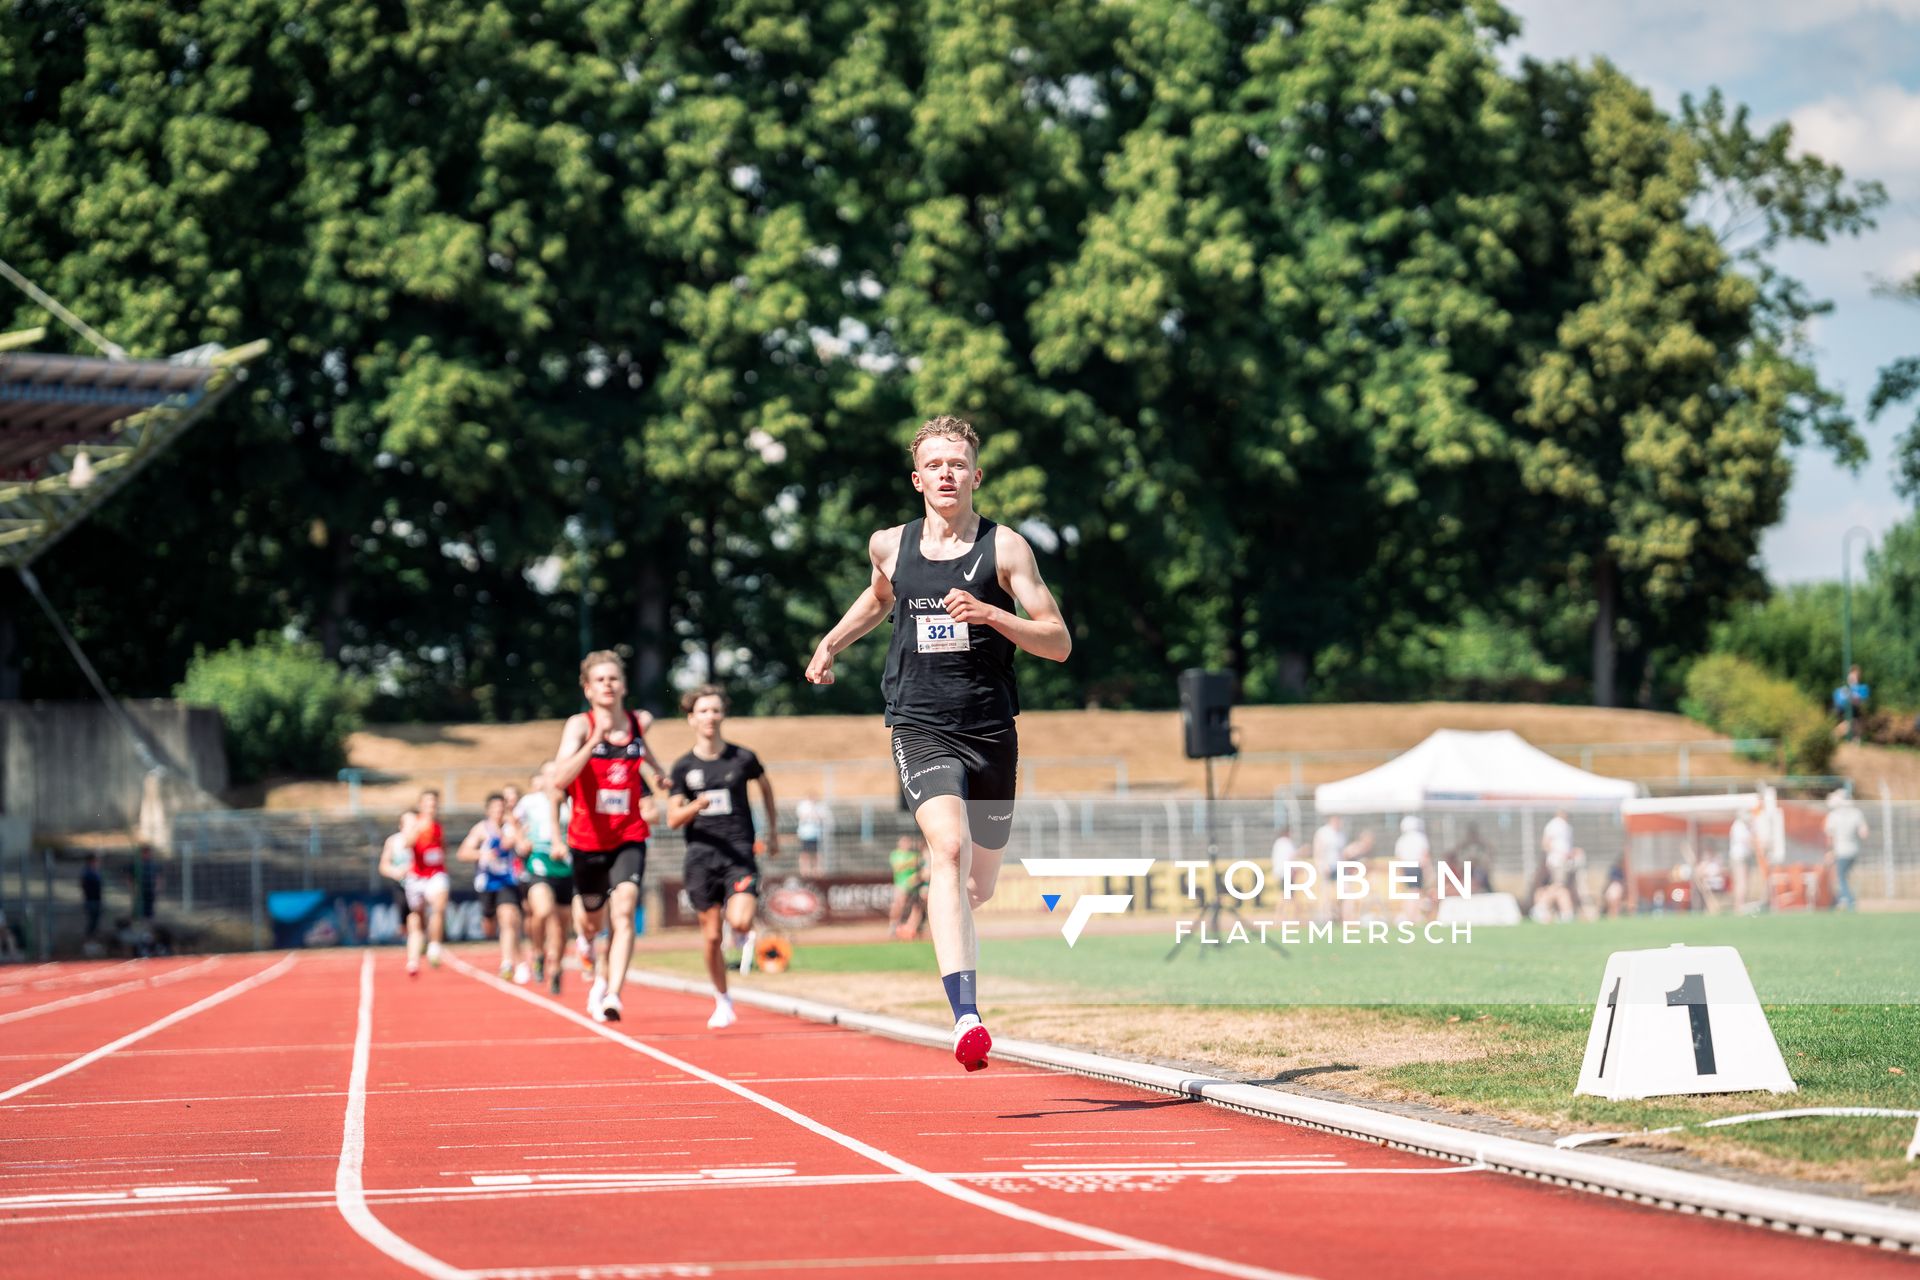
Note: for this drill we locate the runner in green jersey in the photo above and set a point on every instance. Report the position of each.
(909, 888)
(549, 871)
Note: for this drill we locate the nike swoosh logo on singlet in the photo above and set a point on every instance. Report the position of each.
(968, 574)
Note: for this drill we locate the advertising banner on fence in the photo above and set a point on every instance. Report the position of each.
(324, 918)
(794, 902)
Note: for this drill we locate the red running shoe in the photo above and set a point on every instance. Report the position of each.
(971, 1043)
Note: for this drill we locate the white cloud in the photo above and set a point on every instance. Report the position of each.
(1874, 133)
(1675, 46)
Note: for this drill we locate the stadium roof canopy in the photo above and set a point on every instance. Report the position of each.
(75, 429)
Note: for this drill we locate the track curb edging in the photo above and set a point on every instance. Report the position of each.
(1801, 1212)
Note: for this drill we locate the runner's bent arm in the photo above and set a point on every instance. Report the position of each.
(682, 810)
(773, 814)
(866, 613)
(584, 732)
(1042, 633)
(470, 847)
(394, 860)
(558, 850)
(643, 721)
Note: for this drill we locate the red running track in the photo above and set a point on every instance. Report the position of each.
(324, 1115)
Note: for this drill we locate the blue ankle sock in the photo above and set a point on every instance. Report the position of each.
(960, 993)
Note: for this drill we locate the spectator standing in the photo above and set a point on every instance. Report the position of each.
(1472, 862)
(1413, 848)
(1286, 853)
(1740, 856)
(92, 892)
(1846, 831)
(809, 823)
(1562, 868)
(1329, 847)
(145, 878)
(1850, 704)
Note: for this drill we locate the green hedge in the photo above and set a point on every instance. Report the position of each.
(287, 708)
(1737, 698)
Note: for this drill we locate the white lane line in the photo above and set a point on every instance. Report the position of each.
(167, 979)
(664, 1270)
(178, 1015)
(1028, 1133)
(254, 1201)
(545, 1087)
(932, 1181)
(67, 1002)
(76, 977)
(92, 1160)
(64, 1138)
(349, 1191)
(104, 993)
(1114, 1144)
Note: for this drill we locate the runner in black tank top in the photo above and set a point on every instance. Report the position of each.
(953, 583)
(950, 689)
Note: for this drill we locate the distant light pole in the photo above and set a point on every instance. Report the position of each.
(1846, 617)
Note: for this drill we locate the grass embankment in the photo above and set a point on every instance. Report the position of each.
(1494, 1028)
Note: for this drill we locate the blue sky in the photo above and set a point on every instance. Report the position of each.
(1846, 73)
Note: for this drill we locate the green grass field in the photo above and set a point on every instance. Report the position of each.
(1503, 1020)
(1852, 959)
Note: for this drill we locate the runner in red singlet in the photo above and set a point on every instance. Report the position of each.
(426, 884)
(599, 765)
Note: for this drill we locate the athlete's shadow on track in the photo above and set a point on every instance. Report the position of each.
(1302, 1073)
(1095, 1106)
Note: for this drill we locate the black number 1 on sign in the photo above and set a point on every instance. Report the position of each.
(1692, 992)
(1613, 1010)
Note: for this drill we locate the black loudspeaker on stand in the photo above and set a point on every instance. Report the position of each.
(1206, 703)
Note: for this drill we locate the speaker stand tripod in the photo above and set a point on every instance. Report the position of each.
(1207, 923)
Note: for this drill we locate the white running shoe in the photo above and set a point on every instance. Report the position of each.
(523, 973)
(583, 947)
(433, 954)
(723, 1016)
(595, 995)
(610, 1007)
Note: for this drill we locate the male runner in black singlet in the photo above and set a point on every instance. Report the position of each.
(950, 581)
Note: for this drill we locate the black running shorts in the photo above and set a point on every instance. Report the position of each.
(562, 887)
(595, 874)
(979, 768)
(715, 875)
(491, 900)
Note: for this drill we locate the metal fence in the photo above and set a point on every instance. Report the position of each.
(213, 891)
(1661, 765)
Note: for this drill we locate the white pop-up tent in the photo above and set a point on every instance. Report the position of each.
(1456, 769)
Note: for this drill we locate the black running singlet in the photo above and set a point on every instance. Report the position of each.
(943, 674)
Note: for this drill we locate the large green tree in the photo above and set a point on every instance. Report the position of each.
(1295, 327)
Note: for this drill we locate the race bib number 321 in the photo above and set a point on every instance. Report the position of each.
(937, 633)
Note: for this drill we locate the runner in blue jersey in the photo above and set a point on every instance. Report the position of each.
(491, 843)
